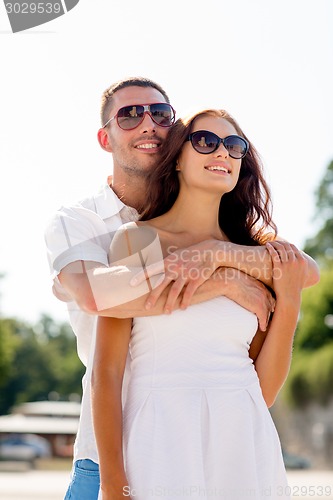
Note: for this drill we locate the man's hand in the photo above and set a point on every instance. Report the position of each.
(188, 268)
(248, 293)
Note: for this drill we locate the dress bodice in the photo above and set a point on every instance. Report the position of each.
(207, 344)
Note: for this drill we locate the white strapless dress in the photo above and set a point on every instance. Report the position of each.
(196, 425)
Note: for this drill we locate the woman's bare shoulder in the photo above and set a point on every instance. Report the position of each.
(131, 238)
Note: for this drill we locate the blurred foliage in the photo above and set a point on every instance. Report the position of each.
(311, 375)
(7, 348)
(310, 378)
(314, 330)
(320, 246)
(37, 361)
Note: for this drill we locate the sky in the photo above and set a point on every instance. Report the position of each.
(268, 62)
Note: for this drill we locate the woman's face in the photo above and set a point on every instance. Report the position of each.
(216, 171)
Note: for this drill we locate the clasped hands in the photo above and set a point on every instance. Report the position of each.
(185, 270)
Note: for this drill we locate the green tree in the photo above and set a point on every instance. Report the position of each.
(19, 333)
(7, 348)
(60, 343)
(311, 377)
(44, 361)
(311, 374)
(321, 245)
(315, 328)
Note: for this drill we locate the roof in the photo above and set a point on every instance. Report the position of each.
(49, 408)
(38, 425)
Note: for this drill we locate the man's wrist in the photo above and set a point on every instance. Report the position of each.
(224, 276)
(232, 255)
(223, 251)
(254, 261)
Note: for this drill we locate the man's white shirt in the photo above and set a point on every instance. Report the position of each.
(84, 232)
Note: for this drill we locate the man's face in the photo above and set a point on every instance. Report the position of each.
(135, 151)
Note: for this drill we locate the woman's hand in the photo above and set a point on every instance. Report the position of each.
(289, 270)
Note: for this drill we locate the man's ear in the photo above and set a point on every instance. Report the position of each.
(103, 140)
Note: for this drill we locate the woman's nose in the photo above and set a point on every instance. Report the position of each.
(221, 151)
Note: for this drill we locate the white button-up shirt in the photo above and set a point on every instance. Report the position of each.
(84, 232)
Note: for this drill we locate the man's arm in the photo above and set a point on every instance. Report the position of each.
(256, 261)
(188, 268)
(233, 284)
(106, 291)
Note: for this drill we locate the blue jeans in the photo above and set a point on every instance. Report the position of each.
(84, 481)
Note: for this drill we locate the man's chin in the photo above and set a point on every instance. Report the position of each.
(141, 169)
(150, 161)
(148, 152)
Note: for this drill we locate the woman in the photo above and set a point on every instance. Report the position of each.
(195, 419)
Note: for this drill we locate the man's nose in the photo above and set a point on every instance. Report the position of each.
(147, 125)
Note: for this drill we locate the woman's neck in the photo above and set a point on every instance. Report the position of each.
(194, 214)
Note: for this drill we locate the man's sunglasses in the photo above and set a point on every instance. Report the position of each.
(206, 142)
(130, 117)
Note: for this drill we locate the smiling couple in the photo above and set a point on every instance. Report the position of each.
(184, 355)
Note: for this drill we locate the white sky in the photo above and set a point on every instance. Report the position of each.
(269, 63)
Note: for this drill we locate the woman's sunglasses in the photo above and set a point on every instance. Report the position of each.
(206, 142)
(130, 117)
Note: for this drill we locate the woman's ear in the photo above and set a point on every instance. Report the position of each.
(177, 165)
(104, 140)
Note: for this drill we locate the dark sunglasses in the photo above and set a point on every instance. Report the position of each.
(130, 117)
(206, 142)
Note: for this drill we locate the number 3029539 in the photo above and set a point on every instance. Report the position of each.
(33, 8)
(305, 491)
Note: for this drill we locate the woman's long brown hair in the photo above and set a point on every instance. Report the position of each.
(244, 213)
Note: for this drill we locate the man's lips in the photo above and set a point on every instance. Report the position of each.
(148, 145)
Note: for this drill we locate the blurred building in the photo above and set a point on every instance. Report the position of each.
(56, 421)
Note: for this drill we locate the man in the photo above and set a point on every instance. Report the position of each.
(136, 116)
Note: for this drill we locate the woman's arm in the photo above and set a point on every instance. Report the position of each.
(272, 351)
(106, 387)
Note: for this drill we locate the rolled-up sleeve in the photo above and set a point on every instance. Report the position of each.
(74, 234)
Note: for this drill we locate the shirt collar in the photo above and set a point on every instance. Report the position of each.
(107, 202)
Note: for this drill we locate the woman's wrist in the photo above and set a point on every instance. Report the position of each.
(115, 488)
(289, 297)
(288, 303)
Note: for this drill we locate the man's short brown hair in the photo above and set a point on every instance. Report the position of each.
(136, 81)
